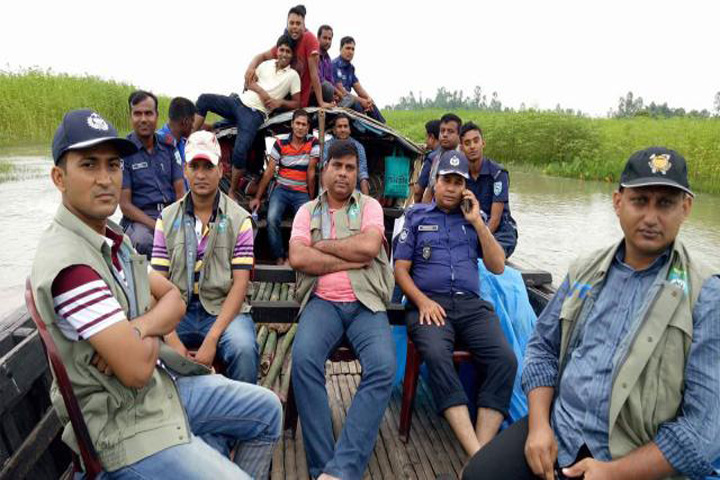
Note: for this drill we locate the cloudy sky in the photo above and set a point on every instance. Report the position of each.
(580, 54)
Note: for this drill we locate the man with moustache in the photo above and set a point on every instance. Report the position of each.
(490, 183)
(436, 258)
(149, 412)
(343, 286)
(449, 140)
(207, 238)
(346, 81)
(152, 177)
(273, 81)
(325, 68)
(621, 372)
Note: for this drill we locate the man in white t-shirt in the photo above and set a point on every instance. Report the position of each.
(274, 80)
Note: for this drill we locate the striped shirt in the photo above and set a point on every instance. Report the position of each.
(293, 162)
(84, 303)
(242, 258)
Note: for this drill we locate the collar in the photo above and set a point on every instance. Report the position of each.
(284, 69)
(342, 62)
(190, 208)
(67, 219)
(353, 199)
(485, 166)
(324, 55)
(619, 260)
(136, 140)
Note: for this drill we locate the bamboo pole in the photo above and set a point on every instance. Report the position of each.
(275, 294)
(284, 292)
(277, 363)
(267, 292)
(285, 380)
(262, 337)
(268, 352)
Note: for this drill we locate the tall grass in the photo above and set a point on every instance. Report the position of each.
(584, 148)
(33, 102)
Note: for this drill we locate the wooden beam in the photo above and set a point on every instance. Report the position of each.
(27, 455)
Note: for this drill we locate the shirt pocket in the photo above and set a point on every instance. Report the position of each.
(428, 239)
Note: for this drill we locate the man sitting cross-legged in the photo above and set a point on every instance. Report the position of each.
(344, 283)
(436, 267)
(145, 406)
(204, 245)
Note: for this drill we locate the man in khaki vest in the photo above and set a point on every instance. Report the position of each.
(145, 406)
(622, 372)
(344, 283)
(204, 244)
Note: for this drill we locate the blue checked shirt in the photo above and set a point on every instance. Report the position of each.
(580, 412)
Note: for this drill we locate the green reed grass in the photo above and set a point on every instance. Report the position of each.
(585, 148)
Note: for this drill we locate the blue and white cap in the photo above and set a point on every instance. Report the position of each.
(454, 162)
(81, 129)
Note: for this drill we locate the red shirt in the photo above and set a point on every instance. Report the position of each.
(306, 46)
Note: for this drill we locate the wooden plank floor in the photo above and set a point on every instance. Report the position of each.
(432, 449)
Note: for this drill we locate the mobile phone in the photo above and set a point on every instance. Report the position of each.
(466, 205)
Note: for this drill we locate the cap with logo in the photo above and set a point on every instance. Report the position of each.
(656, 166)
(203, 144)
(85, 128)
(454, 162)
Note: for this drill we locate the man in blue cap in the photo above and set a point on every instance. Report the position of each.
(150, 412)
(436, 267)
(621, 373)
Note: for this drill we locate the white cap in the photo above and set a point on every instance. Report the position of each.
(203, 144)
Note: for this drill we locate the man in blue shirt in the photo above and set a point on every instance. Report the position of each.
(152, 178)
(436, 267)
(341, 131)
(181, 115)
(490, 183)
(432, 142)
(622, 372)
(346, 81)
(449, 139)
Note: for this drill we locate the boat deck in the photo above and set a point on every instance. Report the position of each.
(431, 450)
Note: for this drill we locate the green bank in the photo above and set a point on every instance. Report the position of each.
(585, 148)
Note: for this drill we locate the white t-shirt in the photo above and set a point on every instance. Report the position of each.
(277, 83)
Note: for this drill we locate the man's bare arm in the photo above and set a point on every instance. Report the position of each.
(312, 261)
(257, 60)
(315, 80)
(362, 247)
(179, 187)
(166, 313)
(232, 303)
(496, 211)
(644, 463)
(132, 212)
(312, 176)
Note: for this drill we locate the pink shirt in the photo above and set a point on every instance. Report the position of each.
(336, 287)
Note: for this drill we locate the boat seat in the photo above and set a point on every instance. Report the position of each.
(412, 373)
(90, 459)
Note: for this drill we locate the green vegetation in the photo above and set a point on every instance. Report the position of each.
(580, 147)
(32, 103)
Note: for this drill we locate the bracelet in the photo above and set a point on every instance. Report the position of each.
(138, 331)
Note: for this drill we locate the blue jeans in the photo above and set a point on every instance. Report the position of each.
(280, 199)
(216, 407)
(247, 120)
(323, 325)
(237, 346)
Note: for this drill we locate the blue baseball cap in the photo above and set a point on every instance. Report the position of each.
(84, 129)
(454, 162)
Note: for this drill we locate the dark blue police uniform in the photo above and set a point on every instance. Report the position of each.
(493, 185)
(444, 250)
(150, 176)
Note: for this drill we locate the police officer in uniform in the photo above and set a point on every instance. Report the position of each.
(152, 177)
(436, 267)
(489, 181)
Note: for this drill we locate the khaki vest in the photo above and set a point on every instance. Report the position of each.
(372, 285)
(648, 383)
(125, 424)
(216, 271)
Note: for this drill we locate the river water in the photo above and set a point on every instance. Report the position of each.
(558, 219)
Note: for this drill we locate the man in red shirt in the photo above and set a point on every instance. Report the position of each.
(306, 57)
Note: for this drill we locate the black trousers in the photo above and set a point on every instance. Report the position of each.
(504, 457)
(471, 324)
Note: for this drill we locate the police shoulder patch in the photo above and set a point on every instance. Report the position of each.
(497, 188)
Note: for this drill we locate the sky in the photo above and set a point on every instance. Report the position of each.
(579, 54)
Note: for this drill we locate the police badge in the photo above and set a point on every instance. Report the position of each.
(426, 252)
(497, 188)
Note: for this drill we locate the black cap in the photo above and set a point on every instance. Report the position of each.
(454, 162)
(84, 129)
(656, 166)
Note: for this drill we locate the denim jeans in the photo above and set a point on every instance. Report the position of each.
(323, 325)
(247, 120)
(237, 346)
(280, 199)
(231, 412)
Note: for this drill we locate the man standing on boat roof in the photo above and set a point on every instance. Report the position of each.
(152, 177)
(436, 266)
(148, 410)
(622, 372)
(325, 68)
(306, 53)
(274, 80)
(181, 114)
(449, 140)
(432, 142)
(204, 245)
(490, 183)
(341, 131)
(343, 283)
(346, 81)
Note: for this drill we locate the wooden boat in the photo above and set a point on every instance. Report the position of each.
(30, 445)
